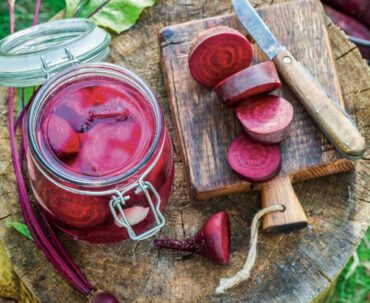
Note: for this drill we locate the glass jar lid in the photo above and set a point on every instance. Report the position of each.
(30, 56)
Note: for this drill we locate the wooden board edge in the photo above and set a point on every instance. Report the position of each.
(167, 34)
(171, 94)
(340, 166)
(332, 60)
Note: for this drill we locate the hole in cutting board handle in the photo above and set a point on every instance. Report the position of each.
(280, 191)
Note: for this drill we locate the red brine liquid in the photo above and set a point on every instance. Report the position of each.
(98, 129)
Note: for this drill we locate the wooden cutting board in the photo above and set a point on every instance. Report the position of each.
(205, 127)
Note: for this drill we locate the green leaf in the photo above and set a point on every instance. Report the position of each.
(91, 7)
(21, 228)
(24, 94)
(71, 7)
(117, 15)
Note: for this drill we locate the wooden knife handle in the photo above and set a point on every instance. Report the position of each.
(280, 191)
(329, 116)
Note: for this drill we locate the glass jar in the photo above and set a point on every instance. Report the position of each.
(123, 200)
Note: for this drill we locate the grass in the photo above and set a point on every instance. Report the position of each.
(24, 13)
(354, 282)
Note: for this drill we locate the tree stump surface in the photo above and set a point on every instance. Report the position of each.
(293, 267)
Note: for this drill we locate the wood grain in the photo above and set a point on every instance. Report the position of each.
(280, 191)
(294, 268)
(205, 127)
(331, 119)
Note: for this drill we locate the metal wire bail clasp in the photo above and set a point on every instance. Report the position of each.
(119, 200)
(45, 66)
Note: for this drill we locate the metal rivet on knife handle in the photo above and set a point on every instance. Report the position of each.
(329, 116)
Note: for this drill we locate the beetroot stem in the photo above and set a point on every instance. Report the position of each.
(54, 253)
(184, 245)
(36, 231)
(54, 240)
(37, 11)
(211, 241)
(12, 15)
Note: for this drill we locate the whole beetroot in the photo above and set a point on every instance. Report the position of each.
(351, 27)
(103, 297)
(359, 9)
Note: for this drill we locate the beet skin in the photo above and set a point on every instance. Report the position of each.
(218, 53)
(211, 241)
(258, 79)
(351, 27)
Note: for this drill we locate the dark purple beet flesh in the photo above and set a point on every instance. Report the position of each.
(254, 161)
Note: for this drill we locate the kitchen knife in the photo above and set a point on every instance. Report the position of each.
(334, 122)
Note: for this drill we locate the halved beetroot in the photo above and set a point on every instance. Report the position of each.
(254, 161)
(258, 79)
(63, 139)
(107, 147)
(266, 118)
(211, 241)
(218, 53)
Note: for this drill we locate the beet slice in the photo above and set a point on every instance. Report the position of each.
(254, 161)
(266, 118)
(63, 139)
(257, 79)
(218, 53)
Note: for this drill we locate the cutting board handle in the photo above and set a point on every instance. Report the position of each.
(280, 191)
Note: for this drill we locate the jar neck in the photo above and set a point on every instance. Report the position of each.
(71, 75)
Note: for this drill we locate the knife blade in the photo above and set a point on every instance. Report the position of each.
(332, 119)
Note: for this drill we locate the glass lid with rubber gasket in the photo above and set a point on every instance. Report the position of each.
(30, 56)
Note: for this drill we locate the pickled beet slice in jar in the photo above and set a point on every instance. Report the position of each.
(108, 147)
(80, 213)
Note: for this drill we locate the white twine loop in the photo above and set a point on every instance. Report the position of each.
(244, 273)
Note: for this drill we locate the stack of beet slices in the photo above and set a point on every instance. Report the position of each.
(220, 58)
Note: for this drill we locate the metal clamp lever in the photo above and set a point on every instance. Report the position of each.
(45, 66)
(119, 199)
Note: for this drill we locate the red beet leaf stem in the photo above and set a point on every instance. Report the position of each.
(190, 244)
(53, 250)
(37, 11)
(36, 231)
(12, 15)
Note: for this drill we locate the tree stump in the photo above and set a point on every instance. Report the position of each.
(293, 267)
